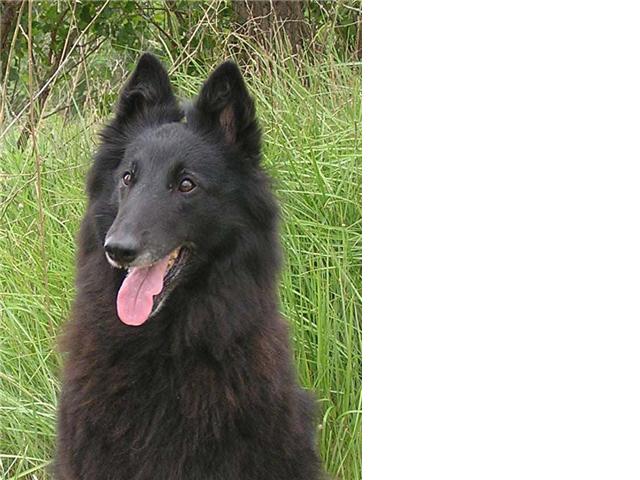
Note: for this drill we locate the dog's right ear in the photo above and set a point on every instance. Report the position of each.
(148, 86)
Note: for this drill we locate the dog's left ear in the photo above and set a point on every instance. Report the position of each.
(225, 108)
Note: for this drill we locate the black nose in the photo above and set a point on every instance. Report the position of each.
(122, 250)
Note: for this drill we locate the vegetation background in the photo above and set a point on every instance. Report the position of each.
(61, 66)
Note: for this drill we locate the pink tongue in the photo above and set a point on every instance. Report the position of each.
(135, 298)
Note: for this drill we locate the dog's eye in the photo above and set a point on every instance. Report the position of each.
(126, 178)
(186, 185)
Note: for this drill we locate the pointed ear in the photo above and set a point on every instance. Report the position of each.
(148, 86)
(225, 108)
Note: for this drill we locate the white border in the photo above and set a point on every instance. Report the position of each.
(501, 240)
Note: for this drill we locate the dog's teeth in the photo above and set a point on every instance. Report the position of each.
(172, 258)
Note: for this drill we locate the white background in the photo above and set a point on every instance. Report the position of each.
(501, 240)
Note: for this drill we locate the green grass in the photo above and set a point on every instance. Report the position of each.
(311, 120)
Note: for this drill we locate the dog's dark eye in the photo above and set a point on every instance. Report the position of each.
(186, 185)
(126, 178)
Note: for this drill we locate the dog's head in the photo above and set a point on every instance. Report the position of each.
(178, 191)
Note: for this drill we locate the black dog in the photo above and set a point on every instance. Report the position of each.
(178, 364)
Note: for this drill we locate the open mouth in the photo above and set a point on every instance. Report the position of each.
(145, 287)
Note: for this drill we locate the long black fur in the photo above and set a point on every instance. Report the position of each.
(205, 389)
